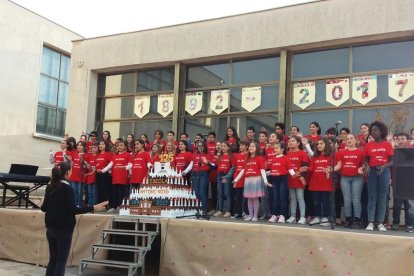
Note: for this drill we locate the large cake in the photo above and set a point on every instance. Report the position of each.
(164, 193)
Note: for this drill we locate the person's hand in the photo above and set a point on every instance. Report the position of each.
(183, 174)
(99, 171)
(100, 206)
(361, 170)
(303, 169)
(366, 170)
(304, 141)
(380, 169)
(223, 180)
(205, 161)
(268, 184)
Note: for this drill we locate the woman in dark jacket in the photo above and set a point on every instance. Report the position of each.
(60, 208)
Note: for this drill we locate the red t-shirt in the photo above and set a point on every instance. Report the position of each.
(254, 165)
(269, 154)
(198, 164)
(160, 142)
(211, 148)
(320, 180)
(155, 158)
(378, 153)
(90, 179)
(231, 140)
(280, 165)
(78, 171)
(262, 147)
(361, 139)
(239, 162)
(351, 161)
(341, 146)
(213, 173)
(182, 160)
(297, 159)
(224, 165)
(314, 139)
(102, 160)
(139, 169)
(119, 172)
(59, 157)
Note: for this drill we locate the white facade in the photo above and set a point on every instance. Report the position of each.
(22, 37)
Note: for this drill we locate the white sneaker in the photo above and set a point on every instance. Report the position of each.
(292, 219)
(370, 227)
(281, 219)
(315, 220)
(302, 220)
(227, 215)
(248, 218)
(212, 212)
(255, 219)
(273, 219)
(325, 222)
(217, 214)
(381, 227)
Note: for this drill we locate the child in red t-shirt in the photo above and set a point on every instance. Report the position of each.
(225, 189)
(321, 182)
(91, 176)
(141, 162)
(255, 180)
(79, 160)
(279, 169)
(121, 163)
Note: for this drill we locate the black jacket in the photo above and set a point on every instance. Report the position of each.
(60, 208)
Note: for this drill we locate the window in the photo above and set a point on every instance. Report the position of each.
(53, 93)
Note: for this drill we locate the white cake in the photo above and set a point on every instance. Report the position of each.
(164, 193)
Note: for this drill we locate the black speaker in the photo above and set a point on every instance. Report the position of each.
(403, 177)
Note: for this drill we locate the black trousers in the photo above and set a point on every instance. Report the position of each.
(104, 186)
(59, 247)
(238, 202)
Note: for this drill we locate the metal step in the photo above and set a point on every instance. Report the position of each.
(129, 232)
(121, 247)
(132, 267)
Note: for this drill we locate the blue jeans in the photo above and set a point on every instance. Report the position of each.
(280, 197)
(78, 189)
(321, 198)
(224, 191)
(378, 186)
(200, 186)
(59, 246)
(408, 210)
(351, 190)
(92, 194)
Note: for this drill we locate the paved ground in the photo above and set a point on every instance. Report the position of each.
(10, 268)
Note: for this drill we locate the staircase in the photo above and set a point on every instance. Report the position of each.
(141, 245)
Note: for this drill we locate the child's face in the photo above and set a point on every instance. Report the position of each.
(229, 132)
(402, 141)
(121, 147)
(262, 138)
(181, 146)
(101, 146)
(170, 136)
(243, 147)
(272, 138)
(313, 129)
(211, 139)
(224, 148)
(183, 137)
(138, 146)
(292, 143)
(63, 145)
(294, 131)
(94, 149)
(79, 147)
(252, 148)
(321, 145)
(278, 149)
(218, 146)
(350, 140)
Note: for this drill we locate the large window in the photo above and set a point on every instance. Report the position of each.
(117, 102)
(53, 93)
(234, 76)
(378, 61)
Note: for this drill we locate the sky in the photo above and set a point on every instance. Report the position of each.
(92, 18)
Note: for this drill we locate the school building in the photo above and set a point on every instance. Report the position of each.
(34, 84)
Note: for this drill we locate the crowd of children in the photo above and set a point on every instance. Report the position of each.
(249, 179)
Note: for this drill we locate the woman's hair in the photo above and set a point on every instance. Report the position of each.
(235, 136)
(297, 138)
(83, 144)
(146, 137)
(317, 125)
(382, 128)
(158, 149)
(185, 142)
(294, 127)
(172, 146)
(58, 174)
(205, 149)
(364, 124)
(71, 143)
(107, 147)
(109, 135)
(228, 145)
(84, 136)
(257, 153)
(327, 151)
(160, 132)
(282, 146)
